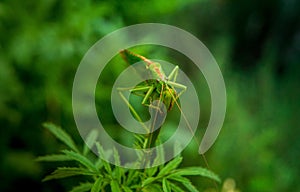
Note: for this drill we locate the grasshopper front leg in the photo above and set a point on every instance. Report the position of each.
(173, 74)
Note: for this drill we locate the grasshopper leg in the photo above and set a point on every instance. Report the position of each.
(173, 74)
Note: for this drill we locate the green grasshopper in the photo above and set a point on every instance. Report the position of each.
(161, 88)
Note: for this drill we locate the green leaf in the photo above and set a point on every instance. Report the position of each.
(177, 178)
(126, 189)
(197, 171)
(152, 188)
(166, 185)
(148, 181)
(190, 187)
(61, 135)
(175, 188)
(170, 166)
(54, 157)
(184, 181)
(97, 185)
(119, 171)
(116, 156)
(151, 171)
(63, 172)
(90, 141)
(99, 164)
(82, 187)
(132, 176)
(81, 159)
(114, 186)
(105, 164)
(160, 157)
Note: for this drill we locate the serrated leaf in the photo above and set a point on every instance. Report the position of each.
(118, 170)
(160, 157)
(82, 187)
(166, 185)
(170, 166)
(148, 181)
(190, 187)
(61, 135)
(105, 164)
(175, 188)
(177, 178)
(99, 164)
(90, 141)
(132, 175)
(184, 181)
(114, 186)
(97, 185)
(152, 188)
(197, 171)
(63, 172)
(81, 159)
(54, 157)
(151, 171)
(116, 156)
(126, 189)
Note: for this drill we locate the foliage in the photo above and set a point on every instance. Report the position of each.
(103, 176)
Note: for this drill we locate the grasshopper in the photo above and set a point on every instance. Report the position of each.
(161, 88)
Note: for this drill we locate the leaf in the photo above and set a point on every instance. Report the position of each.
(177, 178)
(126, 189)
(116, 156)
(81, 159)
(132, 175)
(99, 164)
(197, 171)
(175, 188)
(54, 157)
(170, 166)
(61, 135)
(90, 141)
(190, 187)
(166, 185)
(160, 157)
(184, 181)
(62, 172)
(102, 153)
(82, 187)
(151, 171)
(148, 181)
(119, 171)
(114, 186)
(97, 185)
(152, 188)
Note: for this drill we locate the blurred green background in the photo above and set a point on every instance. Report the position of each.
(256, 43)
